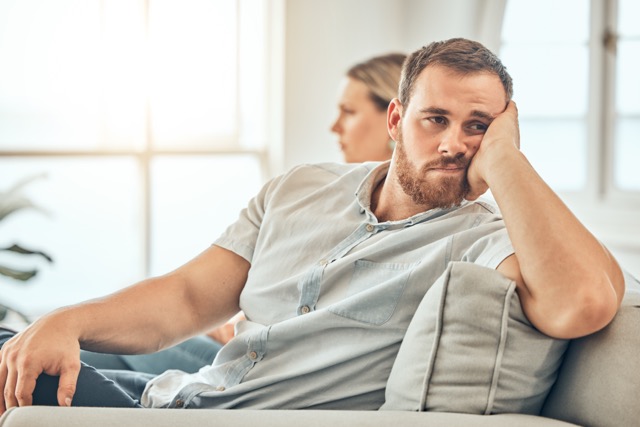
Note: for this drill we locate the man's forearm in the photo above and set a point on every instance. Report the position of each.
(134, 320)
(161, 311)
(569, 277)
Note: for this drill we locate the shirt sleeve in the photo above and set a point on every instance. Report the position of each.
(241, 236)
(491, 247)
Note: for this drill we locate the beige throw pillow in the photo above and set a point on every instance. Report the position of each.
(470, 349)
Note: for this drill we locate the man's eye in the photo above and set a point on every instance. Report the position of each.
(479, 127)
(438, 120)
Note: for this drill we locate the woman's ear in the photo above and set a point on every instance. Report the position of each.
(394, 116)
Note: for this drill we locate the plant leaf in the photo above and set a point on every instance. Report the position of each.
(7, 311)
(23, 276)
(11, 201)
(21, 250)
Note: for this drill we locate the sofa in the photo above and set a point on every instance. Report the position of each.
(596, 383)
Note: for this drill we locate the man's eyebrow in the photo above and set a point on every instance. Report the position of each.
(482, 115)
(442, 112)
(435, 110)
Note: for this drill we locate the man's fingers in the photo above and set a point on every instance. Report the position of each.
(25, 386)
(514, 109)
(3, 380)
(67, 384)
(10, 388)
(474, 195)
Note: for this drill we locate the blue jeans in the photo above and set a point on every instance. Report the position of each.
(103, 388)
(188, 356)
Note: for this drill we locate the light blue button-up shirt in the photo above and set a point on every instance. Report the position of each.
(330, 291)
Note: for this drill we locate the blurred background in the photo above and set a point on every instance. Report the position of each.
(132, 132)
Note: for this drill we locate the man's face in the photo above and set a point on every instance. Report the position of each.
(428, 190)
(440, 131)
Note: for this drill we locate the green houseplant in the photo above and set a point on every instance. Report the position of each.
(12, 201)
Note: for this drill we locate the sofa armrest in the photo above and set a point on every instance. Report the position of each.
(599, 377)
(41, 416)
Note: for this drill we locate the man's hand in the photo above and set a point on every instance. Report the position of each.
(44, 347)
(224, 333)
(502, 135)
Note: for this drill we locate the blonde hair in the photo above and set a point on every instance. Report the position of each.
(381, 74)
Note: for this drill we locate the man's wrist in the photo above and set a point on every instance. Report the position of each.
(68, 319)
(502, 163)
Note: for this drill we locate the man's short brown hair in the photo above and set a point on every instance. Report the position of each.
(459, 55)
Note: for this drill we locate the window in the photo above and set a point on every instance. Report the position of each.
(547, 55)
(575, 65)
(577, 90)
(145, 123)
(625, 48)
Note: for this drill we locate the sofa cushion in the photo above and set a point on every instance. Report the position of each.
(469, 348)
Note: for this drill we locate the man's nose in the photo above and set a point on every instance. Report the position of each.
(453, 143)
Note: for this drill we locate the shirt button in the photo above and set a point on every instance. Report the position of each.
(369, 228)
(220, 388)
(179, 403)
(253, 355)
(305, 309)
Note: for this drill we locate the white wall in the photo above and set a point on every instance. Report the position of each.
(322, 40)
(430, 20)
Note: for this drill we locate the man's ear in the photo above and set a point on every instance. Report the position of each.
(394, 117)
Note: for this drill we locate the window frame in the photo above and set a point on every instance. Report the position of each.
(145, 153)
(612, 214)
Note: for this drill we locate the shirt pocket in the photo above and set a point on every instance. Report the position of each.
(374, 291)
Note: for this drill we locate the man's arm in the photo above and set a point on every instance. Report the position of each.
(568, 283)
(145, 317)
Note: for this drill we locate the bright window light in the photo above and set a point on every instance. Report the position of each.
(148, 120)
(547, 56)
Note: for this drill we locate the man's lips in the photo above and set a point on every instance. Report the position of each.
(448, 169)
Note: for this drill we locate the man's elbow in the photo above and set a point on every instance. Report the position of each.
(596, 313)
(589, 312)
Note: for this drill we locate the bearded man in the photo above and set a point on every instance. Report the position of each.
(330, 262)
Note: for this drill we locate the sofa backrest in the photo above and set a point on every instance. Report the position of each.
(599, 378)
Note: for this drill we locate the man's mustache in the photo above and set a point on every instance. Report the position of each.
(458, 162)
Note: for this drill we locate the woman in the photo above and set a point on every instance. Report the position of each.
(362, 119)
(362, 127)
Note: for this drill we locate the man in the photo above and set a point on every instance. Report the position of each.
(329, 280)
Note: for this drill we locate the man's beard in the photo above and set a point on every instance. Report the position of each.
(444, 192)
